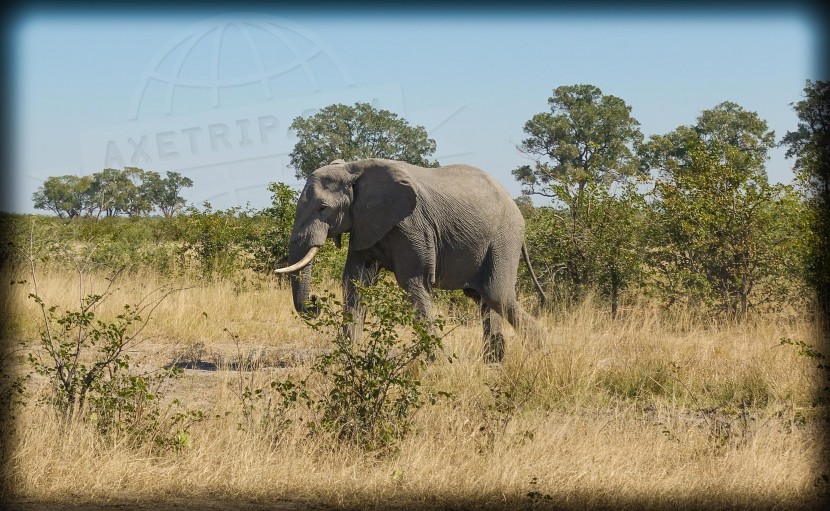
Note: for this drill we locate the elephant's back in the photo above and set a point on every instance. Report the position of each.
(464, 182)
(469, 202)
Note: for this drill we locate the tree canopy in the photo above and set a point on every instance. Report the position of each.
(582, 146)
(112, 192)
(586, 136)
(356, 132)
(63, 195)
(720, 232)
(809, 144)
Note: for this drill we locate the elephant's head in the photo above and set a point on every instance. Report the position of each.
(366, 198)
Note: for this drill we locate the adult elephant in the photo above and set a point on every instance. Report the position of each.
(453, 227)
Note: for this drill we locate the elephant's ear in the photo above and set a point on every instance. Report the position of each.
(383, 196)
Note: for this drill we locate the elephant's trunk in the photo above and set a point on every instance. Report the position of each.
(300, 288)
(301, 275)
(307, 236)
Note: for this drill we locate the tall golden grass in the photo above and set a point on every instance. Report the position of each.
(649, 410)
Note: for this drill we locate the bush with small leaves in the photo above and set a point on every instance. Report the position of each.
(91, 376)
(366, 390)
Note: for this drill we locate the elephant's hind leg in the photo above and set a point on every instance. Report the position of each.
(493, 336)
(524, 324)
(491, 325)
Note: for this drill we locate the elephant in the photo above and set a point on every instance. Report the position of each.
(451, 227)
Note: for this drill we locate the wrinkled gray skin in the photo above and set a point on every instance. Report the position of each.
(453, 227)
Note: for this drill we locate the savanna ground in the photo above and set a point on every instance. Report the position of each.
(655, 409)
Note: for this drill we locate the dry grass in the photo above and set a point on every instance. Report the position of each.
(646, 411)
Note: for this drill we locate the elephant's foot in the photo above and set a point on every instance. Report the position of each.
(494, 349)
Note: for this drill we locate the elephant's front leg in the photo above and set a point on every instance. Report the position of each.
(416, 282)
(419, 296)
(364, 272)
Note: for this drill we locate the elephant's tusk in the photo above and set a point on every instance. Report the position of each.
(302, 263)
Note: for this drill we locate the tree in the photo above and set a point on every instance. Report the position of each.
(135, 200)
(164, 193)
(599, 249)
(720, 233)
(64, 195)
(810, 145)
(586, 137)
(111, 191)
(270, 246)
(355, 132)
(582, 147)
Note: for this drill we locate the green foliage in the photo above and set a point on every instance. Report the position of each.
(721, 234)
(365, 391)
(356, 132)
(581, 148)
(112, 192)
(125, 406)
(226, 243)
(86, 358)
(586, 137)
(330, 261)
(108, 245)
(269, 237)
(208, 243)
(810, 145)
(86, 361)
(216, 238)
(595, 243)
(163, 193)
(63, 195)
(713, 231)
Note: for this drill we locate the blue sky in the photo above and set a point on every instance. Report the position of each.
(174, 92)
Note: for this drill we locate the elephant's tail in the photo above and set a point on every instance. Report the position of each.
(542, 295)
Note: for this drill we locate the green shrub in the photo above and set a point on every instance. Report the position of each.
(214, 239)
(270, 233)
(366, 390)
(91, 376)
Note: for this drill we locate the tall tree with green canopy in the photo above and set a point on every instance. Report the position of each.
(587, 137)
(135, 201)
(64, 195)
(356, 132)
(111, 191)
(809, 144)
(721, 234)
(584, 159)
(165, 193)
